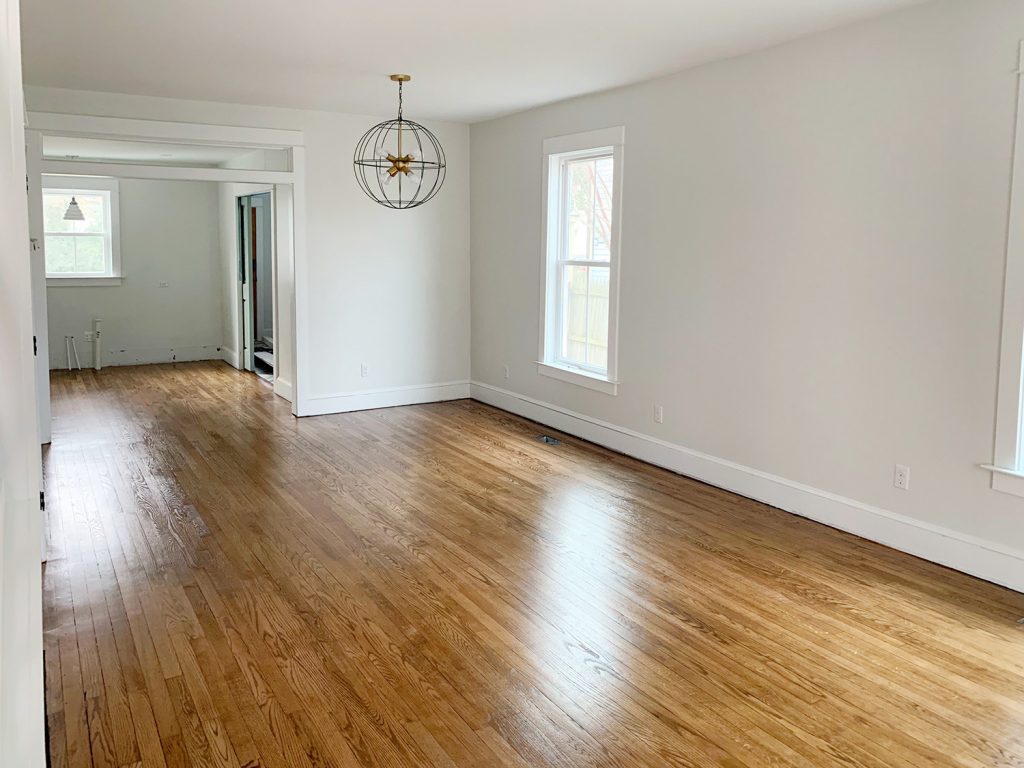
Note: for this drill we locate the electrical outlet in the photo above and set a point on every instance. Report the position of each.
(164, 284)
(88, 336)
(364, 370)
(506, 372)
(901, 477)
(659, 414)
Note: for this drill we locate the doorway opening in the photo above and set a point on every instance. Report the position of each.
(256, 283)
(146, 161)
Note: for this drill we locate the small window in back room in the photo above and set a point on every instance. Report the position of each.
(80, 236)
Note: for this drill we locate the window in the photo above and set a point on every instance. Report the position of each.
(1007, 465)
(81, 251)
(582, 204)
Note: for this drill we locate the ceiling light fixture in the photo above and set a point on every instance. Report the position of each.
(73, 213)
(399, 163)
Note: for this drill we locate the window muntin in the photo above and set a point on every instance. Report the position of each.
(80, 249)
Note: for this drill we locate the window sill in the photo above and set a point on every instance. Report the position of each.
(73, 282)
(581, 378)
(1006, 480)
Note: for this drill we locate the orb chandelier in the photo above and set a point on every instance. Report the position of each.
(399, 163)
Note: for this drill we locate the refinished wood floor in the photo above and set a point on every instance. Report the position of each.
(432, 586)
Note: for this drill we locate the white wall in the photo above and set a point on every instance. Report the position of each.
(170, 233)
(386, 288)
(813, 250)
(22, 721)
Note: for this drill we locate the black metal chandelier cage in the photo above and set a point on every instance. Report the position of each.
(399, 163)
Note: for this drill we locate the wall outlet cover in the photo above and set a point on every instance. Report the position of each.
(901, 477)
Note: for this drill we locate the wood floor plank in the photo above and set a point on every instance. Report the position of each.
(228, 586)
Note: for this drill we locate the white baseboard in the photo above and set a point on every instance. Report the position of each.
(977, 557)
(113, 357)
(283, 388)
(366, 399)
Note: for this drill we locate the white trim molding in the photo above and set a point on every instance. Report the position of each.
(368, 399)
(984, 559)
(156, 130)
(579, 377)
(1006, 480)
(81, 282)
(168, 172)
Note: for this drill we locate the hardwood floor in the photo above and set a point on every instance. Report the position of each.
(432, 586)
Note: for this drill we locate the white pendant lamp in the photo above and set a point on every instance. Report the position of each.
(73, 213)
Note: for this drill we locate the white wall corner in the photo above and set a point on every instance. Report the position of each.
(368, 399)
(984, 559)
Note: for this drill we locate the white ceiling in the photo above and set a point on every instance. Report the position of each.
(470, 59)
(65, 147)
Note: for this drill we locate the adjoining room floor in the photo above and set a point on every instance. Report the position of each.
(263, 362)
(433, 586)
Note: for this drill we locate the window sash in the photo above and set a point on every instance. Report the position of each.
(108, 265)
(564, 191)
(562, 262)
(562, 319)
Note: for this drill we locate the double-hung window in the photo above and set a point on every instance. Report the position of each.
(81, 238)
(582, 214)
(1008, 462)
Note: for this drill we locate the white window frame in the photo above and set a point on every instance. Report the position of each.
(108, 187)
(1007, 465)
(604, 142)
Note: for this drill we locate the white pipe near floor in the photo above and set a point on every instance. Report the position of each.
(96, 323)
(67, 346)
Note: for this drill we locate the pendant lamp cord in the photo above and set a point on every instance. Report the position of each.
(399, 99)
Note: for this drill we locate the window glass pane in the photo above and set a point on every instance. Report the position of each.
(574, 314)
(89, 254)
(60, 254)
(588, 209)
(584, 332)
(54, 206)
(597, 317)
